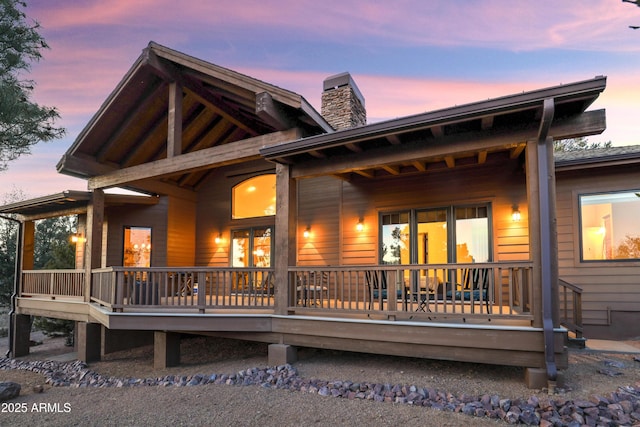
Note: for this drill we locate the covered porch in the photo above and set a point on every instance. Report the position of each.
(366, 243)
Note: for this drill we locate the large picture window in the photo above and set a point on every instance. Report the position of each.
(254, 197)
(436, 236)
(609, 226)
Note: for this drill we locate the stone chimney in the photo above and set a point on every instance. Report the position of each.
(342, 102)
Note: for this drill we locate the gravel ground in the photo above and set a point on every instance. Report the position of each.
(256, 406)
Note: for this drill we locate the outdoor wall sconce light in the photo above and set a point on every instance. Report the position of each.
(218, 239)
(515, 214)
(360, 226)
(306, 233)
(77, 238)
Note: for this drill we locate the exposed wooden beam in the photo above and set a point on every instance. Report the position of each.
(131, 118)
(318, 154)
(588, 123)
(515, 151)
(215, 103)
(437, 131)
(393, 139)
(174, 123)
(226, 154)
(487, 123)
(354, 146)
(370, 173)
(482, 157)
(450, 161)
(392, 169)
(420, 166)
(271, 112)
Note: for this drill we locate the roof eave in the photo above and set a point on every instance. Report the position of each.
(592, 87)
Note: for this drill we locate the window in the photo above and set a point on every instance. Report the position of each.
(395, 238)
(436, 236)
(472, 234)
(252, 247)
(609, 226)
(137, 247)
(254, 197)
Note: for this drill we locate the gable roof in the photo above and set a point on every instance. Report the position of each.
(219, 106)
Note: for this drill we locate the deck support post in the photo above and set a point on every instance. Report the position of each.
(281, 354)
(21, 335)
(89, 337)
(93, 247)
(166, 349)
(285, 238)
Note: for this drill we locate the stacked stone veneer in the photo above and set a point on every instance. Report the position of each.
(342, 103)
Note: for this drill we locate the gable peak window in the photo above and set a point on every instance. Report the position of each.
(254, 197)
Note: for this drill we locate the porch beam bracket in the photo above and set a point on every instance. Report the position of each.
(482, 157)
(544, 145)
(392, 169)
(420, 166)
(354, 146)
(450, 161)
(393, 139)
(367, 173)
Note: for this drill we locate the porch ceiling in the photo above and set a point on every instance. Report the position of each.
(443, 139)
(219, 106)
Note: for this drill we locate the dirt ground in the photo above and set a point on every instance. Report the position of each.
(589, 373)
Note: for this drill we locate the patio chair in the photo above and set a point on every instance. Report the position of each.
(475, 286)
(313, 288)
(377, 285)
(266, 285)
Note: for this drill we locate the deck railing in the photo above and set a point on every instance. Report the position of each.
(430, 291)
(186, 287)
(53, 283)
(570, 297)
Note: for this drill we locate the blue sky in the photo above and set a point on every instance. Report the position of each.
(407, 56)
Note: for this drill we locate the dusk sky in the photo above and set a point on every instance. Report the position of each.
(406, 57)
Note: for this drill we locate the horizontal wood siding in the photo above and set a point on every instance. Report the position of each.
(213, 213)
(607, 286)
(502, 186)
(181, 232)
(319, 210)
(154, 216)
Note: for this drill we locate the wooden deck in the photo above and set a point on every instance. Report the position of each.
(328, 307)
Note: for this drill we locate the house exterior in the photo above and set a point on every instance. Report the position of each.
(432, 235)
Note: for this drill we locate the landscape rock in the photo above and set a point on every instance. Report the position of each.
(621, 407)
(9, 390)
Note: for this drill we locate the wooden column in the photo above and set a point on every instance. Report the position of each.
(285, 236)
(28, 245)
(93, 248)
(174, 130)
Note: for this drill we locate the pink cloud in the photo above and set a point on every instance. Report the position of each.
(600, 24)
